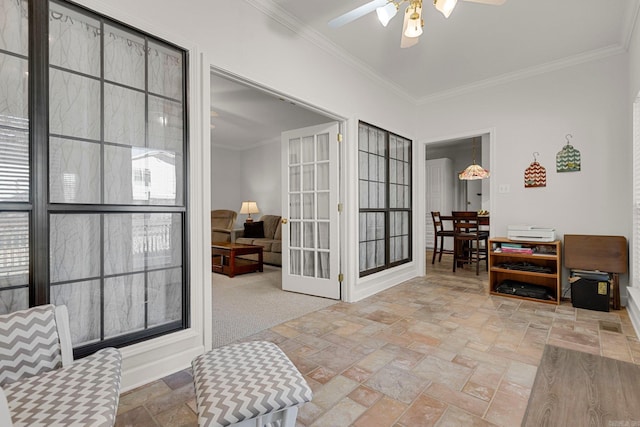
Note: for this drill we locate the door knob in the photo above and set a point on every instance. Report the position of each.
(284, 220)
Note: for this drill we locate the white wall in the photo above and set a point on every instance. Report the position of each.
(226, 179)
(262, 178)
(588, 101)
(252, 174)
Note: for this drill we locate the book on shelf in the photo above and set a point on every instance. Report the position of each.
(528, 251)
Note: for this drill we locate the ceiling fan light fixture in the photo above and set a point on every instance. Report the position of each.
(415, 22)
(445, 6)
(387, 12)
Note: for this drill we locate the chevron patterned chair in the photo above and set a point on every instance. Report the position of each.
(251, 384)
(41, 384)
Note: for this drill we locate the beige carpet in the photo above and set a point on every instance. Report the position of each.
(250, 303)
(573, 388)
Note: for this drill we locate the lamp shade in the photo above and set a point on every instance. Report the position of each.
(445, 6)
(386, 13)
(249, 207)
(414, 25)
(473, 171)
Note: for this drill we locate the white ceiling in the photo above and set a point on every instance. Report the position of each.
(243, 117)
(477, 42)
(478, 45)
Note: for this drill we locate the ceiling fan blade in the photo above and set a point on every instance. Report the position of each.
(491, 2)
(356, 13)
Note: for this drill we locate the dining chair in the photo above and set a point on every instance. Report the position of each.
(470, 242)
(41, 384)
(439, 233)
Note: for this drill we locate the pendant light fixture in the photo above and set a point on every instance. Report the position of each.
(473, 171)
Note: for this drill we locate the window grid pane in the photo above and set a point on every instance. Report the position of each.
(385, 201)
(127, 148)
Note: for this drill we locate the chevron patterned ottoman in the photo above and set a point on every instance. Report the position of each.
(251, 384)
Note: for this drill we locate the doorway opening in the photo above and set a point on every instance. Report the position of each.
(247, 122)
(444, 192)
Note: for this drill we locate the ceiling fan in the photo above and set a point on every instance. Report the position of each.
(413, 22)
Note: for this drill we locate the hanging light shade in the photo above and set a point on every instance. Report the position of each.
(474, 171)
(414, 25)
(445, 6)
(386, 12)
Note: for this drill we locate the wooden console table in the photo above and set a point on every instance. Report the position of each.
(224, 258)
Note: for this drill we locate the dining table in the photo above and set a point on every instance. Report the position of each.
(483, 220)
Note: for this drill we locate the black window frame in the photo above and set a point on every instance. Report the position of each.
(387, 210)
(39, 207)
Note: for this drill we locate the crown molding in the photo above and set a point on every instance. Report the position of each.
(278, 14)
(525, 73)
(274, 11)
(629, 26)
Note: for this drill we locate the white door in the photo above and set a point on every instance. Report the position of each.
(310, 234)
(439, 194)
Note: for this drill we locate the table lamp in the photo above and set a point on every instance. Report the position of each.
(249, 207)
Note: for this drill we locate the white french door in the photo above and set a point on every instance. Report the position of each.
(310, 229)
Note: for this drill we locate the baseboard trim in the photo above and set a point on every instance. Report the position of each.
(633, 307)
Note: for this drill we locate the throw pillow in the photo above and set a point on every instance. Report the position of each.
(254, 229)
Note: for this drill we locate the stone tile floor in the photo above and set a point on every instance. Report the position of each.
(433, 351)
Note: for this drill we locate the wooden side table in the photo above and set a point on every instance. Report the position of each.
(224, 258)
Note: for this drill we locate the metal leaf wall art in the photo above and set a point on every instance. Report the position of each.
(535, 175)
(568, 159)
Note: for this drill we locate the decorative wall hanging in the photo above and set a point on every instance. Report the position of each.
(568, 159)
(535, 175)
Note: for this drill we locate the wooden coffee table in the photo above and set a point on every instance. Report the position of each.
(224, 258)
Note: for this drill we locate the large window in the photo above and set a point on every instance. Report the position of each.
(92, 172)
(384, 172)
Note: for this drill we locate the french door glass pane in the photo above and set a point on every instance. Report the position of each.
(295, 238)
(323, 147)
(309, 264)
(308, 207)
(309, 234)
(295, 206)
(323, 176)
(308, 149)
(294, 151)
(323, 235)
(74, 171)
(323, 205)
(323, 265)
(308, 177)
(294, 178)
(295, 264)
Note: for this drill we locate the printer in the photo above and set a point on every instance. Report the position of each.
(531, 233)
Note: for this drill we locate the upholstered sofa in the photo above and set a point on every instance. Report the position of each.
(271, 240)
